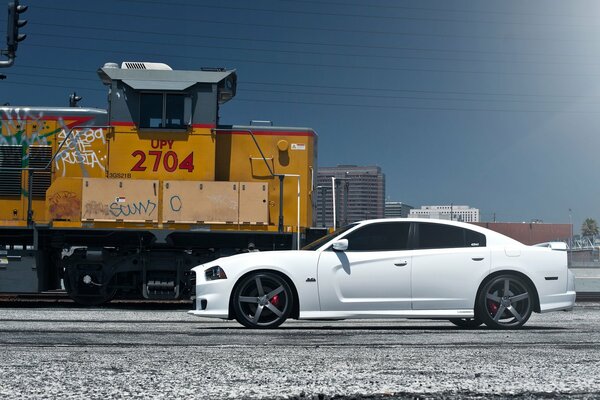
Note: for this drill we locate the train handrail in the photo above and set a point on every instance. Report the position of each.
(280, 176)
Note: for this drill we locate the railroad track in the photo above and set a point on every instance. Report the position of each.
(588, 296)
(60, 299)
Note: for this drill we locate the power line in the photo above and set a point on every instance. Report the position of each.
(352, 105)
(342, 14)
(298, 52)
(323, 65)
(418, 91)
(413, 97)
(303, 43)
(345, 95)
(379, 106)
(470, 11)
(182, 19)
(353, 88)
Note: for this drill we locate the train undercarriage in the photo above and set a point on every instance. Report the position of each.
(94, 266)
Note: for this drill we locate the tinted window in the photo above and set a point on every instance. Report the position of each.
(151, 106)
(160, 110)
(474, 239)
(439, 236)
(379, 237)
(174, 111)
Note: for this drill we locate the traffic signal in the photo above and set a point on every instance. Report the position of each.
(13, 37)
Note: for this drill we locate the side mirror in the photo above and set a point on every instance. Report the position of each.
(340, 245)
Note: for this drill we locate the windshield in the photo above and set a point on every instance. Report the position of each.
(320, 242)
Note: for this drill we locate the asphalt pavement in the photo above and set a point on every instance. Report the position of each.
(51, 353)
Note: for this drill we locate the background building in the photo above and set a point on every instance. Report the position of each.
(396, 209)
(451, 212)
(530, 233)
(359, 192)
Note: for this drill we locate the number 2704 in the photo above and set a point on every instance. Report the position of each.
(168, 160)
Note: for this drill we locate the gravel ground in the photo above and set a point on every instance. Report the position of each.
(99, 354)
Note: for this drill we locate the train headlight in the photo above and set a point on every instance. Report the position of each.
(215, 273)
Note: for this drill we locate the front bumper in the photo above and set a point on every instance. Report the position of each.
(212, 299)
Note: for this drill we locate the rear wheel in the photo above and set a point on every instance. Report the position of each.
(505, 302)
(262, 300)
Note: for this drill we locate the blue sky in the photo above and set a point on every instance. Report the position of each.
(494, 104)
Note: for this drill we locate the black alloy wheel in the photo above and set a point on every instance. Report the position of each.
(262, 300)
(467, 322)
(505, 302)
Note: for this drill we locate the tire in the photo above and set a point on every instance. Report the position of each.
(468, 323)
(505, 302)
(262, 300)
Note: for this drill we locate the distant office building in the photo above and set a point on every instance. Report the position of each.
(451, 212)
(359, 194)
(396, 209)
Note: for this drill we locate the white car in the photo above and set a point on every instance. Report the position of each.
(391, 268)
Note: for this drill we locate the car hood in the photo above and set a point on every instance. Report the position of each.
(244, 259)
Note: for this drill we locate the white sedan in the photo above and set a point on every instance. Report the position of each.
(391, 268)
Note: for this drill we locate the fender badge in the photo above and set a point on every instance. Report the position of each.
(311, 280)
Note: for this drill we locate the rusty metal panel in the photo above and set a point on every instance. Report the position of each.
(200, 201)
(64, 200)
(119, 200)
(254, 203)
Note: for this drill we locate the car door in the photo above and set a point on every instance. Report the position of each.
(448, 265)
(372, 274)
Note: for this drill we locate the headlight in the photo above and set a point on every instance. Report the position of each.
(215, 273)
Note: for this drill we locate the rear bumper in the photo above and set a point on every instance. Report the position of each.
(558, 302)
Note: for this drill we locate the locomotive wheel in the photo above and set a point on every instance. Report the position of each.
(88, 295)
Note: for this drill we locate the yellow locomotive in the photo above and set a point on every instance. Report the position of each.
(127, 200)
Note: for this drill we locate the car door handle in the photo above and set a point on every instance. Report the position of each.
(401, 263)
(477, 258)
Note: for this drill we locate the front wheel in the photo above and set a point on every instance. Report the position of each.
(262, 300)
(505, 302)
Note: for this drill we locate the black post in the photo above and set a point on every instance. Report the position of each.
(280, 227)
(346, 185)
(29, 198)
(323, 206)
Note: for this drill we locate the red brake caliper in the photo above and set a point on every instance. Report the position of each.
(275, 300)
(492, 307)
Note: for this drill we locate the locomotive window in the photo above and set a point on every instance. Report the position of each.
(151, 110)
(162, 110)
(174, 111)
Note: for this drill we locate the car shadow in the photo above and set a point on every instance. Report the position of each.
(385, 328)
